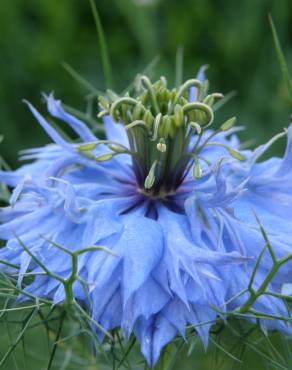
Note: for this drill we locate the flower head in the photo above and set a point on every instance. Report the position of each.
(173, 200)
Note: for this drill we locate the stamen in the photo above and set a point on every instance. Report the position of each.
(228, 124)
(156, 126)
(161, 146)
(104, 157)
(87, 146)
(197, 169)
(150, 179)
(118, 148)
(234, 153)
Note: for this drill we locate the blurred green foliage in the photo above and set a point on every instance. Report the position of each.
(233, 37)
(237, 346)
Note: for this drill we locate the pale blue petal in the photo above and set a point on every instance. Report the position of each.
(115, 131)
(56, 110)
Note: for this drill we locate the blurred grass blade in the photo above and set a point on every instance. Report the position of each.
(107, 70)
(26, 323)
(3, 163)
(179, 61)
(128, 350)
(145, 71)
(227, 353)
(220, 103)
(96, 126)
(150, 66)
(281, 57)
(55, 345)
(81, 80)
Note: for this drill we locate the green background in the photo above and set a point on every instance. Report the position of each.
(233, 37)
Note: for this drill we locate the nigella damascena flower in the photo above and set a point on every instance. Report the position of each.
(174, 200)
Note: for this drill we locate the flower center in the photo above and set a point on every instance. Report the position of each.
(165, 129)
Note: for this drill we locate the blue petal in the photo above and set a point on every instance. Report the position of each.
(57, 138)
(148, 300)
(115, 131)
(141, 252)
(154, 334)
(201, 77)
(56, 110)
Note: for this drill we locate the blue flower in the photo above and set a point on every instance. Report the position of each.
(174, 201)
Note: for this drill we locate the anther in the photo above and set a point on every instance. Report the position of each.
(228, 124)
(161, 146)
(156, 126)
(150, 179)
(197, 170)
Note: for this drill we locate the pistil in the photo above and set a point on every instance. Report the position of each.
(165, 131)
